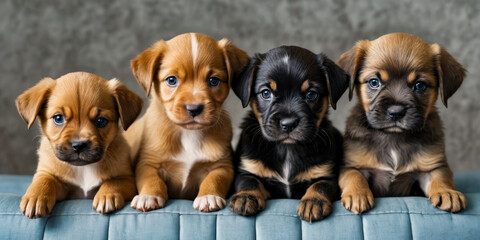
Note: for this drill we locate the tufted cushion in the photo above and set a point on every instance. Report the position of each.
(391, 218)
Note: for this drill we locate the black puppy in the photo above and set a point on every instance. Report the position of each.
(288, 148)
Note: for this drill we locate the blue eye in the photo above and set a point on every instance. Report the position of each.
(374, 83)
(311, 95)
(213, 81)
(171, 81)
(266, 94)
(59, 119)
(101, 122)
(420, 87)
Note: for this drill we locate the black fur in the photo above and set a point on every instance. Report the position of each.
(308, 144)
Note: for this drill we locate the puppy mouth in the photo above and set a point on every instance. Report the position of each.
(79, 159)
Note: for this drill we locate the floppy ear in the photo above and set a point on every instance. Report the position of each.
(146, 65)
(449, 72)
(352, 62)
(337, 79)
(129, 104)
(235, 58)
(242, 85)
(30, 102)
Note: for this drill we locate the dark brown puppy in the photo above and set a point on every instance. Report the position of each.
(288, 148)
(394, 142)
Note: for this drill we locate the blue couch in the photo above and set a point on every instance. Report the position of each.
(391, 218)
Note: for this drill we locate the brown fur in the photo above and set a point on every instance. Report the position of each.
(156, 139)
(379, 163)
(80, 98)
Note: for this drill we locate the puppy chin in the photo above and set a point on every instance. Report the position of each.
(195, 123)
(79, 159)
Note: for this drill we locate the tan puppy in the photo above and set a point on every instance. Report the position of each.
(394, 141)
(182, 143)
(82, 152)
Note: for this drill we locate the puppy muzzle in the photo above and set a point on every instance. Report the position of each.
(79, 153)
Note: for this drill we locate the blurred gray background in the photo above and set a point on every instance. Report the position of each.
(40, 38)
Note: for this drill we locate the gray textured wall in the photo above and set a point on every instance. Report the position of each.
(42, 38)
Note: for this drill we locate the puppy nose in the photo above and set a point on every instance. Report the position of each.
(79, 146)
(396, 112)
(194, 109)
(288, 124)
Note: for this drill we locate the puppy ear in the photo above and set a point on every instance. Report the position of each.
(243, 83)
(145, 66)
(129, 104)
(450, 72)
(337, 79)
(235, 58)
(352, 61)
(30, 102)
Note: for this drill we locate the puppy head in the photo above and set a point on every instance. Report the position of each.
(397, 78)
(289, 89)
(79, 114)
(190, 75)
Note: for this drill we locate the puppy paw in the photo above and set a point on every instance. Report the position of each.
(145, 203)
(209, 203)
(448, 200)
(108, 202)
(358, 201)
(246, 204)
(314, 209)
(36, 206)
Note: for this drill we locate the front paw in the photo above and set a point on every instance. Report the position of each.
(209, 203)
(246, 204)
(108, 202)
(145, 203)
(448, 200)
(358, 201)
(36, 206)
(314, 209)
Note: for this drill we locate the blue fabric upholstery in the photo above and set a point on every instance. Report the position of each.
(392, 218)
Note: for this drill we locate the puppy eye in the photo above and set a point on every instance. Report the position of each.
(101, 122)
(213, 81)
(420, 87)
(374, 83)
(311, 96)
(266, 94)
(171, 81)
(59, 119)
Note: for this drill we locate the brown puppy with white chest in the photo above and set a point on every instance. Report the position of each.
(182, 143)
(82, 152)
(394, 141)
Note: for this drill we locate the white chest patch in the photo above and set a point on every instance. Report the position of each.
(394, 156)
(86, 177)
(191, 151)
(194, 47)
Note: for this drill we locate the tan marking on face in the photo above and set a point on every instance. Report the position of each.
(256, 167)
(305, 86)
(383, 75)
(321, 115)
(273, 85)
(411, 77)
(315, 172)
(253, 104)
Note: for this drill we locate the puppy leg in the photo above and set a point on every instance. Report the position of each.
(151, 188)
(113, 193)
(316, 204)
(356, 195)
(250, 198)
(41, 195)
(442, 193)
(214, 189)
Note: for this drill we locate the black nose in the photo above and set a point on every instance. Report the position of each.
(288, 124)
(79, 146)
(396, 112)
(194, 109)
